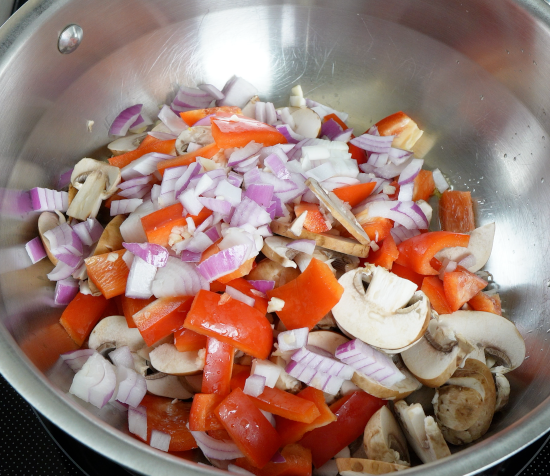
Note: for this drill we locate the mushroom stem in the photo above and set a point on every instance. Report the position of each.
(87, 201)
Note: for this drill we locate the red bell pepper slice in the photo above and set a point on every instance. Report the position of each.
(355, 194)
(315, 221)
(242, 285)
(297, 463)
(208, 151)
(309, 297)
(432, 287)
(186, 340)
(130, 306)
(248, 428)
(456, 211)
(191, 117)
(460, 286)
(203, 416)
(293, 431)
(228, 133)
(281, 403)
(241, 271)
(158, 225)
(81, 316)
(353, 412)
(407, 273)
(394, 124)
(378, 228)
(161, 146)
(216, 376)
(169, 416)
(233, 322)
(385, 255)
(108, 272)
(416, 252)
(485, 302)
(424, 186)
(162, 317)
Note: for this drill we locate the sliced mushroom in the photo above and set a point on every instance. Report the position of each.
(434, 367)
(194, 382)
(503, 391)
(440, 337)
(326, 340)
(145, 351)
(480, 246)
(275, 248)
(383, 439)
(168, 386)
(352, 466)
(269, 270)
(489, 332)
(400, 390)
(377, 316)
(111, 239)
(48, 221)
(126, 144)
(327, 322)
(166, 358)
(115, 330)
(324, 240)
(307, 122)
(421, 432)
(95, 181)
(339, 211)
(201, 135)
(465, 405)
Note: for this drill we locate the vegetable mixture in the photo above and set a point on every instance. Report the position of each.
(263, 284)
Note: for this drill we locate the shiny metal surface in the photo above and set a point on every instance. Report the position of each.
(69, 39)
(473, 73)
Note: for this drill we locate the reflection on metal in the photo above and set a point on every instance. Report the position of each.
(69, 39)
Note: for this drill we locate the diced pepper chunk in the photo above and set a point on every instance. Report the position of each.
(241, 271)
(407, 273)
(130, 306)
(169, 416)
(355, 194)
(81, 315)
(203, 415)
(456, 211)
(424, 186)
(232, 322)
(228, 133)
(162, 317)
(377, 228)
(191, 117)
(297, 463)
(208, 151)
(248, 428)
(385, 255)
(108, 272)
(353, 412)
(485, 302)
(315, 221)
(216, 377)
(242, 285)
(309, 297)
(187, 340)
(461, 286)
(161, 146)
(432, 287)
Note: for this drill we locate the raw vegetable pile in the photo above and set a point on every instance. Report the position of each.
(267, 289)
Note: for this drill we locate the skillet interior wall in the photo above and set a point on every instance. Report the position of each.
(471, 73)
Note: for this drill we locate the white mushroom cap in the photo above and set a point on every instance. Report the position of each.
(503, 391)
(199, 135)
(326, 340)
(48, 221)
(383, 439)
(480, 246)
(168, 386)
(307, 122)
(115, 330)
(275, 248)
(269, 270)
(376, 316)
(167, 359)
(358, 466)
(126, 144)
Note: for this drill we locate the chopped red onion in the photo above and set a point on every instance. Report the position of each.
(132, 229)
(216, 449)
(160, 440)
(410, 172)
(278, 458)
(76, 359)
(398, 156)
(305, 246)
(291, 136)
(293, 340)
(172, 121)
(260, 193)
(268, 370)
(270, 114)
(323, 110)
(222, 263)
(406, 192)
(212, 90)
(286, 117)
(314, 378)
(134, 181)
(62, 271)
(323, 364)
(137, 422)
(322, 172)
(344, 136)
(378, 160)
(440, 181)
(248, 164)
(219, 206)
(132, 386)
(65, 179)
(262, 285)
(183, 182)
(374, 364)
(192, 146)
(213, 233)
(151, 253)
(142, 121)
(136, 191)
(400, 234)
(237, 92)
(191, 98)
(120, 207)
(241, 154)
(199, 243)
(229, 192)
(178, 278)
(373, 131)
(447, 266)
(65, 244)
(46, 200)
(260, 111)
(65, 291)
(254, 385)
(88, 231)
(239, 296)
(125, 120)
(407, 214)
(296, 152)
(95, 382)
(274, 162)
(279, 185)
(248, 211)
(122, 357)
(190, 202)
(468, 261)
(35, 250)
(388, 171)
(235, 179)
(190, 257)
(140, 279)
(145, 165)
(331, 129)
